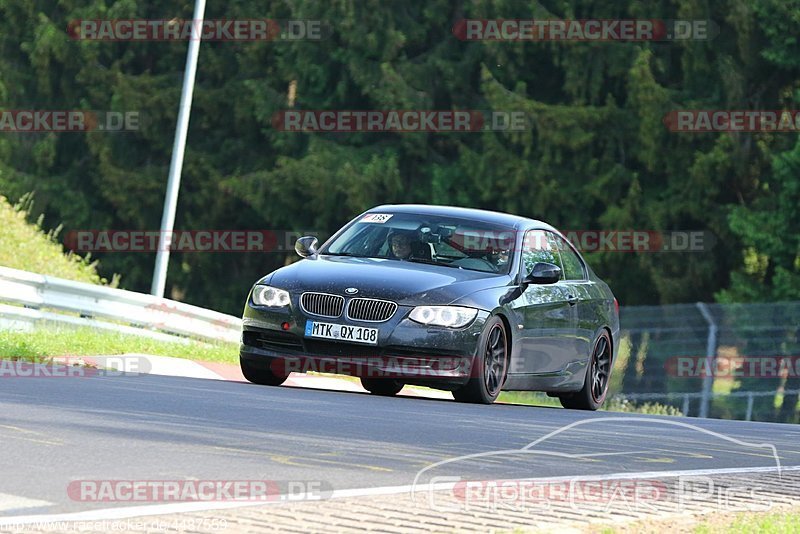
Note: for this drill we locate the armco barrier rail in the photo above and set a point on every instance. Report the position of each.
(28, 298)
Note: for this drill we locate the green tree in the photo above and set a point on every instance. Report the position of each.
(596, 155)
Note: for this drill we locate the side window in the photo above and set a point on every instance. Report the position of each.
(573, 266)
(536, 247)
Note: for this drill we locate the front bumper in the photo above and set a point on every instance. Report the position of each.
(414, 353)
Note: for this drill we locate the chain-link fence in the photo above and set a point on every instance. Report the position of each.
(733, 361)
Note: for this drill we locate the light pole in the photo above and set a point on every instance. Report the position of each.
(176, 164)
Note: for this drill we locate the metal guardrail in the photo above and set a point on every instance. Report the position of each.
(29, 298)
(655, 337)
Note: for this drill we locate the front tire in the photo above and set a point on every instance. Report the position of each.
(261, 375)
(489, 366)
(385, 387)
(595, 385)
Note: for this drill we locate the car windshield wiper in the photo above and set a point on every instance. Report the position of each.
(343, 254)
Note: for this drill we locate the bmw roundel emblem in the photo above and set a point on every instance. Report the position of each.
(351, 290)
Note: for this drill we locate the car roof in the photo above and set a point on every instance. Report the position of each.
(495, 217)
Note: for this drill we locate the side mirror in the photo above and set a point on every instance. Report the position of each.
(543, 273)
(306, 246)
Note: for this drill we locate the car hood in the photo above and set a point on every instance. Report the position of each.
(406, 283)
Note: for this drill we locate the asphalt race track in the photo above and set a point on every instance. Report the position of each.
(146, 427)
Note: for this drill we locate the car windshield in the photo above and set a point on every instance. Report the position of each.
(438, 240)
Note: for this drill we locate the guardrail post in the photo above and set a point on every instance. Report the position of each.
(711, 355)
(685, 407)
(749, 415)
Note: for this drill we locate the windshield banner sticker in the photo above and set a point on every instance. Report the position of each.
(379, 218)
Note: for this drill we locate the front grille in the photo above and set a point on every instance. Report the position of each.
(322, 304)
(278, 341)
(370, 310)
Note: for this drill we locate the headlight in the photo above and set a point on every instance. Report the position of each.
(451, 316)
(270, 296)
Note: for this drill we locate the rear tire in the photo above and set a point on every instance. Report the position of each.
(595, 385)
(385, 387)
(488, 373)
(261, 375)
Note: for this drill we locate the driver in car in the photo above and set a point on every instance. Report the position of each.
(403, 246)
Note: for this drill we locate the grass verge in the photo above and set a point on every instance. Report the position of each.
(44, 343)
(537, 398)
(780, 521)
(27, 246)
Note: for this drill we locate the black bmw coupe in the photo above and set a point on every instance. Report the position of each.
(465, 300)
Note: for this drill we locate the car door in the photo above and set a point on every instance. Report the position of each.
(548, 320)
(579, 294)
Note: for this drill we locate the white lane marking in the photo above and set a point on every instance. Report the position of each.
(185, 368)
(323, 382)
(15, 502)
(177, 508)
(301, 380)
(156, 365)
(410, 391)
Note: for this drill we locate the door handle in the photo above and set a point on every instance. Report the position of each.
(572, 300)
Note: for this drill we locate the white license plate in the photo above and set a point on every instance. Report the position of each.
(342, 332)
